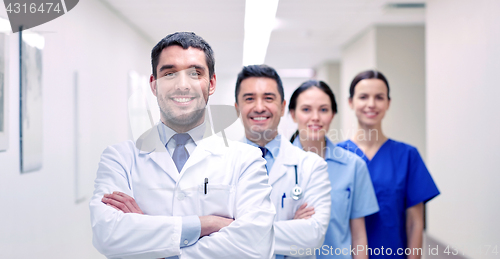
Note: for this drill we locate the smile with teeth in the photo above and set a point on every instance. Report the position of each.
(259, 118)
(371, 114)
(182, 99)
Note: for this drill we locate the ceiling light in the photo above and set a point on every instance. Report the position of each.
(296, 73)
(260, 18)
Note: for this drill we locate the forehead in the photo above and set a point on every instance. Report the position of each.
(182, 58)
(372, 85)
(313, 96)
(258, 85)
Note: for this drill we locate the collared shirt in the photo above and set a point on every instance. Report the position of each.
(167, 133)
(274, 148)
(191, 226)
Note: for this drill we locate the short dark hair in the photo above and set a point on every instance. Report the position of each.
(258, 71)
(368, 74)
(305, 86)
(185, 40)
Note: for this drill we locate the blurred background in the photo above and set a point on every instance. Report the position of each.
(441, 57)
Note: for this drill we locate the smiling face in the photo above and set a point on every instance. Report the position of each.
(260, 106)
(370, 102)
(313, 114)
(182, 87)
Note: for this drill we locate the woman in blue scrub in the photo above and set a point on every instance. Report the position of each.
(400, 177)
(313, 107)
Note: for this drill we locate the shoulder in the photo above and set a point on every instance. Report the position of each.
(219, 145)
(398, 147)
(123, 148)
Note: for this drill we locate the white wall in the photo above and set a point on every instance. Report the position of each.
(399, 53)
(463, 39)
(358, 55)
(40, 217)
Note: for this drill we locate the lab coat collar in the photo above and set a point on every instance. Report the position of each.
(287, 157)
(149, 144)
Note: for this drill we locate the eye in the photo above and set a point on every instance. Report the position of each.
(269, 99)
(305, 109)
(324, 110)
(380, 97)
(362, 97)
(248, 99)
(170, 74)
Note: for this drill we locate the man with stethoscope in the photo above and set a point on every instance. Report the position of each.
(174, 192)
(301, 186)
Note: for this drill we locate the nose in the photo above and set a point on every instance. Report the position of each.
(371, 102)
(182, 83)
(315, 116)
(259, 106)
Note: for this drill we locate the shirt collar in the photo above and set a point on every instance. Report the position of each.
(331, 152)
(273, 146)
(166, 133)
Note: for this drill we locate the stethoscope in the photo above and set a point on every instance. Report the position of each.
(296, 191)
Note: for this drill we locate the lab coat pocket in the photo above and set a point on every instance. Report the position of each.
(218, 200)
(288, 208)
(340, 204)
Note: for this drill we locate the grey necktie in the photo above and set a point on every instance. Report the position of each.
(180, 155)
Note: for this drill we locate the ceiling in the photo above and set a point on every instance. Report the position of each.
(307, 34)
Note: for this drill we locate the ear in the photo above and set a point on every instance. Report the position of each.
(350, 103)
(283, 106)
(152, 84)
(211, 86)
(292, 113)
(237, 108)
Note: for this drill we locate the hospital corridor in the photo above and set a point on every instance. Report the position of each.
(80, 81)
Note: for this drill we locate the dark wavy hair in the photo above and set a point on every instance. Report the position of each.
(184, 40)
(368, 74)
(305, 86)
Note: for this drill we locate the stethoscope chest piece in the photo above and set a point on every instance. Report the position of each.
(296, 191)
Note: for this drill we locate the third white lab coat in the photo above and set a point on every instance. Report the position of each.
(237, 188)
(314, 181)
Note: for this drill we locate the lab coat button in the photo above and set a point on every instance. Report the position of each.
(181, 196)
(186, 242)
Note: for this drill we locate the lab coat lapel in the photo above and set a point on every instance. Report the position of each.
(287, 157)
(149, 144)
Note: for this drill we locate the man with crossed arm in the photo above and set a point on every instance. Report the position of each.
(300, 224)
(176, 192)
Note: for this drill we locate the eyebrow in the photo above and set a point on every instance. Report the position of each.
(165, 67)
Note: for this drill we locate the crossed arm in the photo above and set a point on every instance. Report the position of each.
(122, 202)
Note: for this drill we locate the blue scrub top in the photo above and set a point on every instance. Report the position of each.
(401, 180)
(352, 197)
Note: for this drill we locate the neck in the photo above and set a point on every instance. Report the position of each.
(368, 135)
(315, 145)
(261, 139)
(182, 128)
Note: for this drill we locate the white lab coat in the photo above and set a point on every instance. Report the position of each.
(238, 188)
(314, 181)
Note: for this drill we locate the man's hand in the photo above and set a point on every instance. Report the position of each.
(122, 202)
(211, 224)
(303, 212)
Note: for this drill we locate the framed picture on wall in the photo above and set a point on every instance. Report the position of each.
(4, 136)
(31, 135)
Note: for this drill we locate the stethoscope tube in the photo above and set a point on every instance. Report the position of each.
(296, 191)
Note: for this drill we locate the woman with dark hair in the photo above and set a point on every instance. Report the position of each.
(313, 107)
(400, 177)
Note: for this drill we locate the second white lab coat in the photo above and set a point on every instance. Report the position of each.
(238, 188)
(314, 181)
